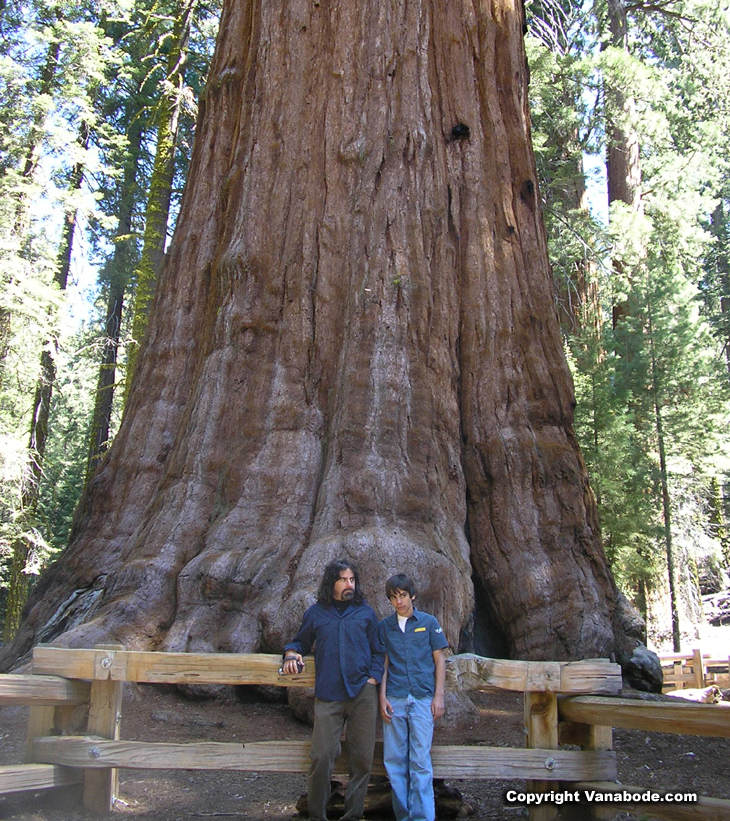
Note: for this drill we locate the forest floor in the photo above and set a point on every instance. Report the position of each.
(647, 760)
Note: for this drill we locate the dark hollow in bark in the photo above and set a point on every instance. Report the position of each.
(353, 351)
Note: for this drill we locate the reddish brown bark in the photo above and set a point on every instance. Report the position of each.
(353, 351)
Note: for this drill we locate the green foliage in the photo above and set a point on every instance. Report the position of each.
(715, 282)
(661, 358)
(52, 64)
(65, 460)
(660, 374)
(98, 70)
(622, 475)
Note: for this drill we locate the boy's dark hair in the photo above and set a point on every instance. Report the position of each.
(325, 594)
(400, 582)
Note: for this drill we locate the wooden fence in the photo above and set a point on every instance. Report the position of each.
(694, 670)
(569, 703)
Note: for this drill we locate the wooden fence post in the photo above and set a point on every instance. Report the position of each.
(600, 738)
(105, 715)
(678, 672)
(541, 728)
(41, 721)
(698, 668)
(588, 737)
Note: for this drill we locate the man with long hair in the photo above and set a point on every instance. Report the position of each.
(348, 660)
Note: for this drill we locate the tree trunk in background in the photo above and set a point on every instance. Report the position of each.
(719, 230)
(717, 517)
(104, 396)
(672, 574)
(157, 212)
(353, 351)
(623, 161)
(578, 298)
(118, 273)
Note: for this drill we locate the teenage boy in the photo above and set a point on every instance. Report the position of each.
(411, 698)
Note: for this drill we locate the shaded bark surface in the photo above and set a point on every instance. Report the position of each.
(353, 351)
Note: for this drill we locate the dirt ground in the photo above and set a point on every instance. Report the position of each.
(649, 760)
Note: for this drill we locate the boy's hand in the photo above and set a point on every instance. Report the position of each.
(437, 707)
(386, 709)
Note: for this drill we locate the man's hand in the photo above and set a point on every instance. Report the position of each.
(437, 706)
(291, 665)
(386, 709)
(371, 680)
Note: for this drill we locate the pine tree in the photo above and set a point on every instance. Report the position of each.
(670, 372)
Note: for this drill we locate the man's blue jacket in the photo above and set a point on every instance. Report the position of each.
(347, 648)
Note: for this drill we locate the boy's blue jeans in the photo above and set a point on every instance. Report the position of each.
(407, 757)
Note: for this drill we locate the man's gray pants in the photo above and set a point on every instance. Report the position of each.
(360, 713)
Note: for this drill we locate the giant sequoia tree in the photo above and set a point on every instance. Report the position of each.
(353, 350)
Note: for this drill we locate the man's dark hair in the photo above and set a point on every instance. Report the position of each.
(325, 594)
(400, 582)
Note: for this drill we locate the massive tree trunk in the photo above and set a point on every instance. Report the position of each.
(353, 351)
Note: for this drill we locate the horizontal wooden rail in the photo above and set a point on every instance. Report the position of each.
(464, 672)
(42, 690)
(470, 672)
(656, 716)
(707, 658)
(168, 668)
(21, 777)
(704, 809)
(505, 763)
(293, 756)
(709, 676)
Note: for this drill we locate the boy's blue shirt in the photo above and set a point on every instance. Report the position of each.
(411, 668)
(347, 648)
